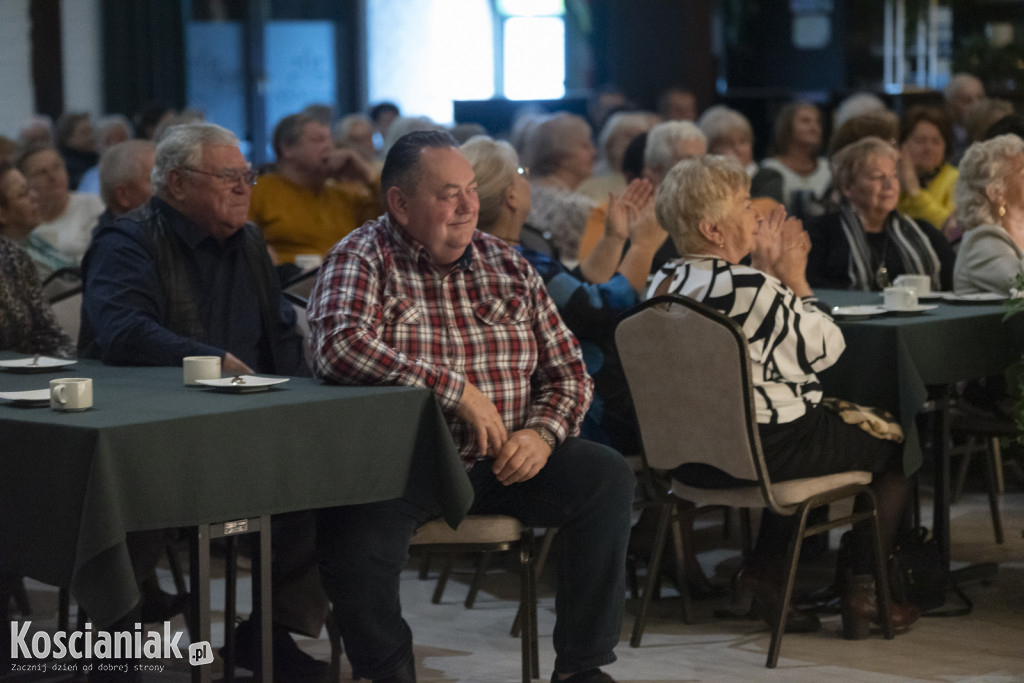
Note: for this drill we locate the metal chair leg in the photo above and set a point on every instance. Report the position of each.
(992, 485)
(442, 580)
(538, 569)
(782, 608)
(482, 564)
(882, 597)
(682, 583)
(653, 573)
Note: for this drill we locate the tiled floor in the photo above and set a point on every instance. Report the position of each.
(458, 644)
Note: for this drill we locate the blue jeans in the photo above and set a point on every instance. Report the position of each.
(586, 490)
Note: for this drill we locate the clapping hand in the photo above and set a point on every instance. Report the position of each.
(345, 164)
(624, 210)
(782, 249)
(643, 226)
(769, 240)
(909, 182)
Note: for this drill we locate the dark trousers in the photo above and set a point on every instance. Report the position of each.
(586, 490)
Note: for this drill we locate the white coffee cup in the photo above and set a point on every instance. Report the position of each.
(921, 284)
(308, 261)
(69, 394)
(900, 299)
(200, 367)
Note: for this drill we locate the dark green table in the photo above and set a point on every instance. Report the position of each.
(891, 360)
(153, 453)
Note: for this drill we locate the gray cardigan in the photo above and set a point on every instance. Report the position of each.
(988, 261)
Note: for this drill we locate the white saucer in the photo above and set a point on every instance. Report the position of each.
(41, 364)
(250, 383)
(37, 398)
(978, 298)
(916, 310)
(857, 311)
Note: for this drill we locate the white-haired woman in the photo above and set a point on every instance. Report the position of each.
(616, 134)
(560, 155)
(867, 243)
(705, 206)
(990, 207)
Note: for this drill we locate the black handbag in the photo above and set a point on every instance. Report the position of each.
(917, 575)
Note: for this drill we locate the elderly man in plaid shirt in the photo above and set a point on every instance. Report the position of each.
(420, 297)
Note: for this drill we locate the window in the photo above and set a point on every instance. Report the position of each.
(533, 47)
(423, 55)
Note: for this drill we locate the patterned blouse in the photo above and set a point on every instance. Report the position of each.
(27, 324)
(790, 338)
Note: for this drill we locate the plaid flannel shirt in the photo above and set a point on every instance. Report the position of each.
(382, 313)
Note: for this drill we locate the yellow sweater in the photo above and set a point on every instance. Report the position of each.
(296, 220)
(934, 203)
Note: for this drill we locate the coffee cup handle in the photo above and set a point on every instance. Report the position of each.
(59, 391)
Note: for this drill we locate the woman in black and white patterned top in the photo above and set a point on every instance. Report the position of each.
(705, 206)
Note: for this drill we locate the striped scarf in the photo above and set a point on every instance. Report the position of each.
(912, 245)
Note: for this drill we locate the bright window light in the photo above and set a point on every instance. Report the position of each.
(534, 58)
(424, 54)
(532, 8)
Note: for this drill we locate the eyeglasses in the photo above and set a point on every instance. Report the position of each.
(523, 171)
(229, 178)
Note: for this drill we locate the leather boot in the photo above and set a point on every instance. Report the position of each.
(757, 592)
(859, 609)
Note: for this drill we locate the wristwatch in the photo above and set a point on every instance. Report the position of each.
(547, 435)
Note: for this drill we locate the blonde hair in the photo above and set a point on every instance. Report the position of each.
(848, 161)
(985, 165)
(695, 190)
(495, 165)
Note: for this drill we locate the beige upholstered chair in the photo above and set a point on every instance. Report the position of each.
(688, 369)
(489, 534)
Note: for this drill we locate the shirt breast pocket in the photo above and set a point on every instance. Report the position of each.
(401, 311)
(495, 311)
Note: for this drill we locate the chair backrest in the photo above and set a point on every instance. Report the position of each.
(301, 284)
(688, 370)
(538, 240)
(61, 284)
(67, 308)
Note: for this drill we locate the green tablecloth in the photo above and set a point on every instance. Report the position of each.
(153, 453)
(890, 360)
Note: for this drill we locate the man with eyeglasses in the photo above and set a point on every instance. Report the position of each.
(186, 274)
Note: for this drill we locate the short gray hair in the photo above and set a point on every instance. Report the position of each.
(550, 140)
(106, 124)
(344, 126)
(182, 146)
(961, 81)
(121, 164)
(662, 140)
(985, 165)
(719, 122)
(696, 190)
(848, 161)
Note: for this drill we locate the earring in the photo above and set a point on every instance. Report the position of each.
(1002, 210)
(721, 244)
